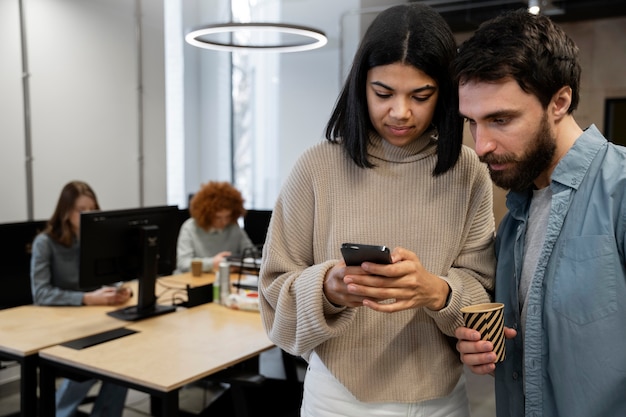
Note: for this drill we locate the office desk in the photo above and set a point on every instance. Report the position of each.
(25, 330)
(167, 353)
(182, 280)
(176, 286)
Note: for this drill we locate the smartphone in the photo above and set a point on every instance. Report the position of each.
(355, 254)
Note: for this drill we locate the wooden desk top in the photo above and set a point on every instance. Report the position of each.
(174, 286)
(182, 280)
(27, 329)
(175, 349)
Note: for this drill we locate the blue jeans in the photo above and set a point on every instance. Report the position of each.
(109, 403)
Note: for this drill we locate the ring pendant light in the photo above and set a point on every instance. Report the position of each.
(311, 38)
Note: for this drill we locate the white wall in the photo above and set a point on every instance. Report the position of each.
(310, 81)
(84, 87)
(12, 170)
(206, 104)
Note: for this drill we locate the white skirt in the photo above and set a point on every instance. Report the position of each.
(324, 396)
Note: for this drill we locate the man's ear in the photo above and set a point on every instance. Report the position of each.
(561, 101)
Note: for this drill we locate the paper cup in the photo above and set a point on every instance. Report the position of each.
(488, 319)
(196, 267)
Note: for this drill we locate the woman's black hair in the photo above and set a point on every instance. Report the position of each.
(411, 34)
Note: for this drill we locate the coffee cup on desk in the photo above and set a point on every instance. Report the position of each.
(196, 267)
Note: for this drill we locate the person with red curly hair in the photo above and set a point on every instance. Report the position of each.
(212, 233)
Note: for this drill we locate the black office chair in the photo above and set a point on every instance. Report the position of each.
(15, 252)
(251, 394)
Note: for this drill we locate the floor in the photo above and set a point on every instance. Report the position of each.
(195, 397)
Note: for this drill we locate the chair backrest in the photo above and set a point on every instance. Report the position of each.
(15, 252)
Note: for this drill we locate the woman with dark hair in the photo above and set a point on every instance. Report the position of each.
(392, 172)
(54, 281)
(56, 253)
(427, 47)
(212, 233)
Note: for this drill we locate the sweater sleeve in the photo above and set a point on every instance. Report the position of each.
(294, 309)
(471, 276)
(44, 292)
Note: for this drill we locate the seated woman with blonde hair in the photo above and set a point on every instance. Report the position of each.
(212, 233)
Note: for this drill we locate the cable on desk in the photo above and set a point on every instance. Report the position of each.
(176, 292)
(169, 286)
(176, 300)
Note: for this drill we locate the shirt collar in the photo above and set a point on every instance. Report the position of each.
(571, 170)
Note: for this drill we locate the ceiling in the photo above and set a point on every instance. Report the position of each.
(466, 15)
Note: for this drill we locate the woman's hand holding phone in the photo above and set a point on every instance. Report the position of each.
(335, 285)
(393, 283)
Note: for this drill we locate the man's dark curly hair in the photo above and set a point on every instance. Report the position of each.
(213, 197)
(528, 48)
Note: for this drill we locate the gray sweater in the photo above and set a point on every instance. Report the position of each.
(195, 242)
(54, 272)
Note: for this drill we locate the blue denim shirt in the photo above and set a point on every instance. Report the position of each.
(571, 362)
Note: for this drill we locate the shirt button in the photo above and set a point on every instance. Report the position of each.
(515, 376)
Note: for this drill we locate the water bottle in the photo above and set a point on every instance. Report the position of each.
(216, 289)
(223, 279)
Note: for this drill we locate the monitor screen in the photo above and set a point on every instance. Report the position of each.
(255, 223)
(124, 245)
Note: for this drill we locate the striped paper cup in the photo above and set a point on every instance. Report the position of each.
(488, 319)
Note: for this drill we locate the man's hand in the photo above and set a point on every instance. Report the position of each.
(478, 354)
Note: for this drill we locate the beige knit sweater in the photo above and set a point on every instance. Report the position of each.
(447, 221)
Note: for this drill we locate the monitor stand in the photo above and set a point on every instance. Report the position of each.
(134, 313)
(146, 300)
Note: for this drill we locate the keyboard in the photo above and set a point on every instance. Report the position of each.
(96, 339)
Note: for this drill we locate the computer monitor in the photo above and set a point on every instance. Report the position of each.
(123, 245)
(256, 223)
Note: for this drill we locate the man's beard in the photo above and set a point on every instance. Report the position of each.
(531, 164)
